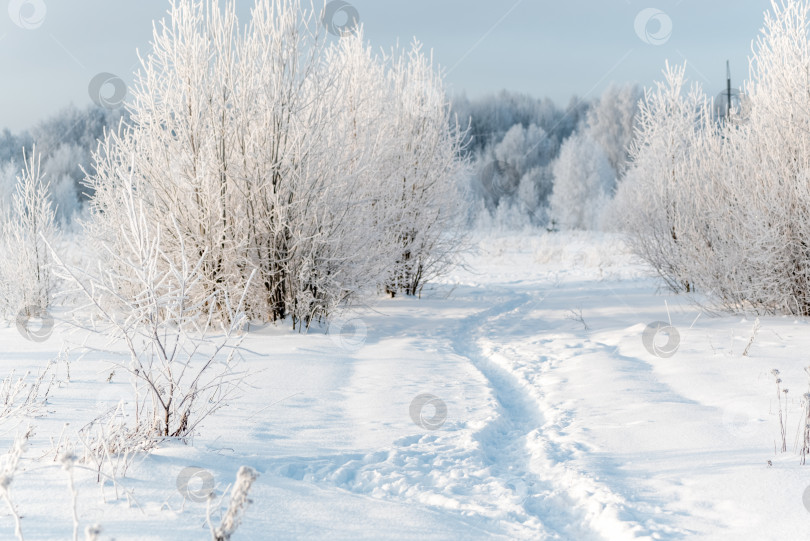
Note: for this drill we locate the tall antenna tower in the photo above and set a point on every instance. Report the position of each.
(728, 87)
(730, 101)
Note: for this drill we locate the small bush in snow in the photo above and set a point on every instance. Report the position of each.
(181, 356)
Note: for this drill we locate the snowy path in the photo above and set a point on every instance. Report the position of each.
(521, 466)
(556, 427)
(526, 440)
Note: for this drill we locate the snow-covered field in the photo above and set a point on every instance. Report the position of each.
(515, 400)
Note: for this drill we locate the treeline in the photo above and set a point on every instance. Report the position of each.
(542, 164)
(65, 143)
(521, 148)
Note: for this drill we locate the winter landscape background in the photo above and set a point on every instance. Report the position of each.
(289, 280)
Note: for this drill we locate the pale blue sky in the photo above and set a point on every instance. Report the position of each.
(553, 48)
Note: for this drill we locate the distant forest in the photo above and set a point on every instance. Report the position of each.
(534, 162)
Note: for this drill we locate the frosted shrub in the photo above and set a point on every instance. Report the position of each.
(26, 395)
(424, 206)
(724, 207)
(323, 168)
(8, 468)
(658, 201)
(181, 357)
(29, 225)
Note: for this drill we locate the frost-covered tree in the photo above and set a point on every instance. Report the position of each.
(425, 205)
(583, 182)
(63, 169)
(10, 144)
(27, 229)
(277, 151)
(724, 207)
(516, 172)
(65, 143)
(656, 202)
(767, 185)
(180, 358)
(490, 117)
(514, 139)
(611, 122)
(524, 148)
(9, 172)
